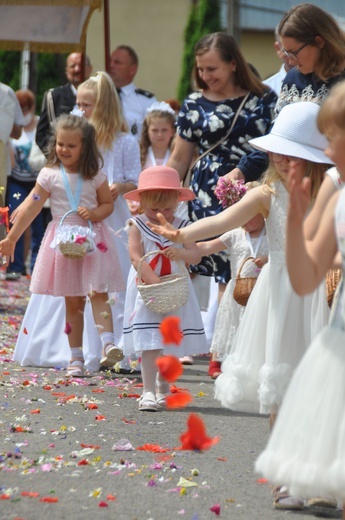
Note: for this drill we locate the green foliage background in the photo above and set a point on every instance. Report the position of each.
(204, 18)
(49, 72)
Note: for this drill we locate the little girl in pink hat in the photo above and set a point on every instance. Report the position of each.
(159, 191)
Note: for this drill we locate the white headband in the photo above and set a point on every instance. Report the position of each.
(162, 106)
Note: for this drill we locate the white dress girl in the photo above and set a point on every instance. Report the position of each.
(275, 331)
(239, 246)
(141, 325)
(306, 450)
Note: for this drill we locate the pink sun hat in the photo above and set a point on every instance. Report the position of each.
(159, 178)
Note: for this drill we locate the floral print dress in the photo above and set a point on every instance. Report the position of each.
(205, 122)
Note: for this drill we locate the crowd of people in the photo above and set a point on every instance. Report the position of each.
(132, 189)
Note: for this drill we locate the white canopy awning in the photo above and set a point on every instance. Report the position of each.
(45, 26)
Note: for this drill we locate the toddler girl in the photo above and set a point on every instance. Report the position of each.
(157, 135)
(159, 190)
(73, 182)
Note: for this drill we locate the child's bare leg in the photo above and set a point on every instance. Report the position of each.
(101, 311)
(75, 322)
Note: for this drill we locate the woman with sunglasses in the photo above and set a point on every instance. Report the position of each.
(314, 44)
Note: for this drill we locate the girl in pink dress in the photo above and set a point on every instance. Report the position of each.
(79, 194)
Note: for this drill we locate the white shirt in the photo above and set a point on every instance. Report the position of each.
(275, 81)
(135, 102)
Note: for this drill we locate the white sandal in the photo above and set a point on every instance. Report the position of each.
(148, 403)
(75, 368)
(111, 355)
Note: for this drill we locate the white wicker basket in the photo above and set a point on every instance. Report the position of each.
(73, 250)
(168, 295)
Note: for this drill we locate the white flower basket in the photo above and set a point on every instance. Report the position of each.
(73, 241)
(168, 295)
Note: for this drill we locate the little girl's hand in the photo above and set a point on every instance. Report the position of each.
(85, 213)
(7, 250)
(114, 190)
(261, 261)
(165, 229)
(173, 253)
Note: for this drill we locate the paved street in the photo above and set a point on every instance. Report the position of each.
(82, 450)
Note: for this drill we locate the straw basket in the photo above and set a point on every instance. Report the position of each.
(73, 250)
(168, 295)
(243, 286)
(332, 280)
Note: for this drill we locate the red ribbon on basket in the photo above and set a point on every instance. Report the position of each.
(166, 265)
(4, 218)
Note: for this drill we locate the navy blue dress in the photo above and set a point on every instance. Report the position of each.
(304, 87)
(205, 122)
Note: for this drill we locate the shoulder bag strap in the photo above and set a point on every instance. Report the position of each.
(224, 138)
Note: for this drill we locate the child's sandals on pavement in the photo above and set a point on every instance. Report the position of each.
(283, 500)
(148, 403)
(110, 356)
(75, 368)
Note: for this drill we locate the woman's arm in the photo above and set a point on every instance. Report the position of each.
(182, 156)
(256, 201)
(136, 252)
(105, 205)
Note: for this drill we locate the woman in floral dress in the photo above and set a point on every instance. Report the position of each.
(224, 79)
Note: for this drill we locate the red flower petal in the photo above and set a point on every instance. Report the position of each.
(155, 448)
(170, 329)
(102, 247)
(103, 504)
(100, 418)
(169, 367)
(68, 328)
(111, 497)
(175, 389)
(25, 330)
(178, 400)
(31, 494)
(49, 499)
(215, 509)
(195, 437)
(91, 406)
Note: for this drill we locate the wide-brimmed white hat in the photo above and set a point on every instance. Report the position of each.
(295, 133)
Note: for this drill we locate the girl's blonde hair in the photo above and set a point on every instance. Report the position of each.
(228, 50)
(315, 171)
(90, 160)
(107, 116)
(306, 22)
(145, 142)
(154, 198)
(332, 111)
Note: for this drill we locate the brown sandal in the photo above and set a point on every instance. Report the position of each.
(214, 369)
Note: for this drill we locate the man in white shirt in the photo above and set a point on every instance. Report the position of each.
(124, 64)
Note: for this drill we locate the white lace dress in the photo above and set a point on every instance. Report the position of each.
(230, 312)
(275, 331)
(306, 450)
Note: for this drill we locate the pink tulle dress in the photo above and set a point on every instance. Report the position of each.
(57, 275)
